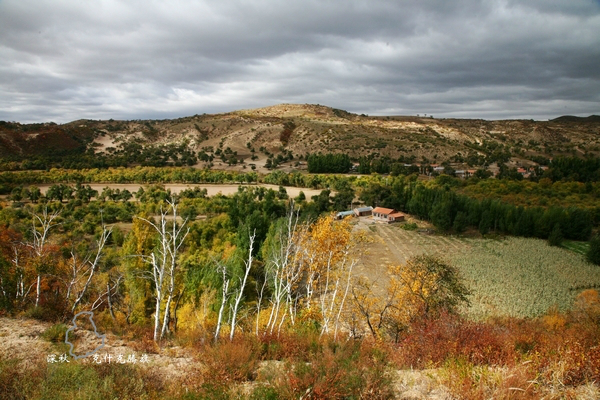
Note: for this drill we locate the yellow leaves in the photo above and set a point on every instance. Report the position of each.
(326, 243)
(228, 250)
(414, 289)
(143, 235)
(310, 314)
(197, 316)
(263, 318)
(323, 261)
(554, 319)
(587, 305)
(413, 283)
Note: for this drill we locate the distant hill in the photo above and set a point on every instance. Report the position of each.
(297, 129)
(571, 118)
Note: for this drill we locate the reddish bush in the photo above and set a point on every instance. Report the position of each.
(294, 346)
(228, 362)
(432, 341)
(340, 371)
(142, 340)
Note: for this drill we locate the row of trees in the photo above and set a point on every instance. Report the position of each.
(450, 211)
(574, 169)
(329, 163)
(9, 180)
(387, 165)
(63, 192)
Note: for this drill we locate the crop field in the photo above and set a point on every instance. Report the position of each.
(517, 277)
(392, 245)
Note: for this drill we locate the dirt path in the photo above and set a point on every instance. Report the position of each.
(401, 253)
(22, 339)
(212, 190)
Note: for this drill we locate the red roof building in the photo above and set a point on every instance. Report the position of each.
(395, 217)
(381, 212)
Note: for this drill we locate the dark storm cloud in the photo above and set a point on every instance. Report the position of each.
(64, 60)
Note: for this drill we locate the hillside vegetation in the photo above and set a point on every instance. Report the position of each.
(283, 133)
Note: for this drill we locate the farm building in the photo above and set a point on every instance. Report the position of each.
(382, 213)
(344, 214)
(395, 217)
(387, 215)
(363, 211)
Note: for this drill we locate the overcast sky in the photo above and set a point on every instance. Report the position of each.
(62, 60)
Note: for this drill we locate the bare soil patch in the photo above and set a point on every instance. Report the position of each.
(22, 339)
(212, 190)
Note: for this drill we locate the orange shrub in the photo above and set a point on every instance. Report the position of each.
(228, 362)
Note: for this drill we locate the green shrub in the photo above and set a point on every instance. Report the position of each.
(70, 381)
(36, 313)
(56, 333)
(593, 254)
(556, 236)
(104, 381)
(409, 226)
(264, 392)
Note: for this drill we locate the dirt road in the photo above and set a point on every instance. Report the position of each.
(211, 189)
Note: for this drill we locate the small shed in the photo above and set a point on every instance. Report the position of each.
(344, 214)
(395, 217)
(363, 211)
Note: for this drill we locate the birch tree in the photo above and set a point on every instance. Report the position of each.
(222, 269)
(164, 264)
(85, 269)
(20, 273)
(108, 295)
(40, 229)
(310, 267)
(327, 249)
(242, 286)
(283, 271)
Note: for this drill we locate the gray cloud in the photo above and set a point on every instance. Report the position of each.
(65, 60)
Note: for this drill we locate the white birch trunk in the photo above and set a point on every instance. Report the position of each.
(39, 241)
(37, 290)
(167, 251)
(93, 266)
(225, 294)
(240, 294)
